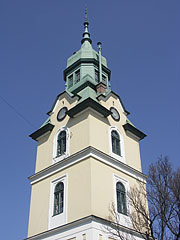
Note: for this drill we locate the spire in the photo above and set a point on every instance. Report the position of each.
(86, 34)
(86, 14)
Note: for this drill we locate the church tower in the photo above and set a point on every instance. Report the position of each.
(87, 155)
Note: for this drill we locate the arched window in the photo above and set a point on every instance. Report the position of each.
(121, 198)
(59, 198)
(61, 143)
(115, 142)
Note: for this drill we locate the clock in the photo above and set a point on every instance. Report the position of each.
(62, 114)
(115, 114)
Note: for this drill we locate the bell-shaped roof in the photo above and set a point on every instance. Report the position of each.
(86, 51)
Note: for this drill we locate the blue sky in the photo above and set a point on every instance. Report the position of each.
(140, 40)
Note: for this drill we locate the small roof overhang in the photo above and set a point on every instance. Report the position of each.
(129, 128)
(89, 102)
(41, 131)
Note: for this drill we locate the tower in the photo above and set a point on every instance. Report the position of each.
(87, 155)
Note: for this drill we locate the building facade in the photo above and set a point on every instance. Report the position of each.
(87, 156)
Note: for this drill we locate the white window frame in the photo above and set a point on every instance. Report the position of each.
(125, 220)
(112, 154)
(59, 219)
(67, 153)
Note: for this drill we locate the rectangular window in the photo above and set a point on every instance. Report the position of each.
(70, 81)
(96, 76)
(77, 76)
(103, 79)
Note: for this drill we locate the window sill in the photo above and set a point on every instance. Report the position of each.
(118, 157)
(59, 158)
(124, 214)
(55, 215)
(125, 220)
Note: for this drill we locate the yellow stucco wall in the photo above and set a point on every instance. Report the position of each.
(103, 187)
(87, 129)
(78, 197)
(132, 153)
(78, 130)
(91, 190)
(90, 182)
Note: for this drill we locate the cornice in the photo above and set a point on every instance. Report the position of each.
(41, 131)
(136, 132)
(83, 86)
(62, 228)
(89, 102)
(105, 97)
(65, 93)
(81, 156)
(80, 222)
(85, 60)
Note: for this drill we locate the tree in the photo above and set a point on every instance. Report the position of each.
(113, 227)
(173, 223)
(155, 206)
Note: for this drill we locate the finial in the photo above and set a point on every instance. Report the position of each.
(86, 34)
(86, 14)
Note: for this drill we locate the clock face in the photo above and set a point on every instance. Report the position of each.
(115, 114)
(62, 113)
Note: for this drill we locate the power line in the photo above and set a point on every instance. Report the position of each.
(17, 112)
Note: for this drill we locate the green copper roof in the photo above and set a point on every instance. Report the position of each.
(87, 80)
(77, 86)
(85, 69)
(86, 51)
(87, 92)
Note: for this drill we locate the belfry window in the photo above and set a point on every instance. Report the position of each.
(121, 198)
(77, 76)
(70, 81)
(103, 79)
(96, 76)
(115, 142)
(61, 143)
(59, 198)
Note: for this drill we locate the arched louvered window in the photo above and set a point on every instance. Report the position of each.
(61, 143)
(115, 142)
(121, 198)
(59, 198)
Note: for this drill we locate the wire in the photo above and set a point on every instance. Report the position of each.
(17, 112)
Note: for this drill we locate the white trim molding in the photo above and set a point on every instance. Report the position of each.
(124, 220)
(83, 155)
(105, 98)
(90, 227)
(67, 153)
(122, 150)
(59, 219)
(59, 98)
